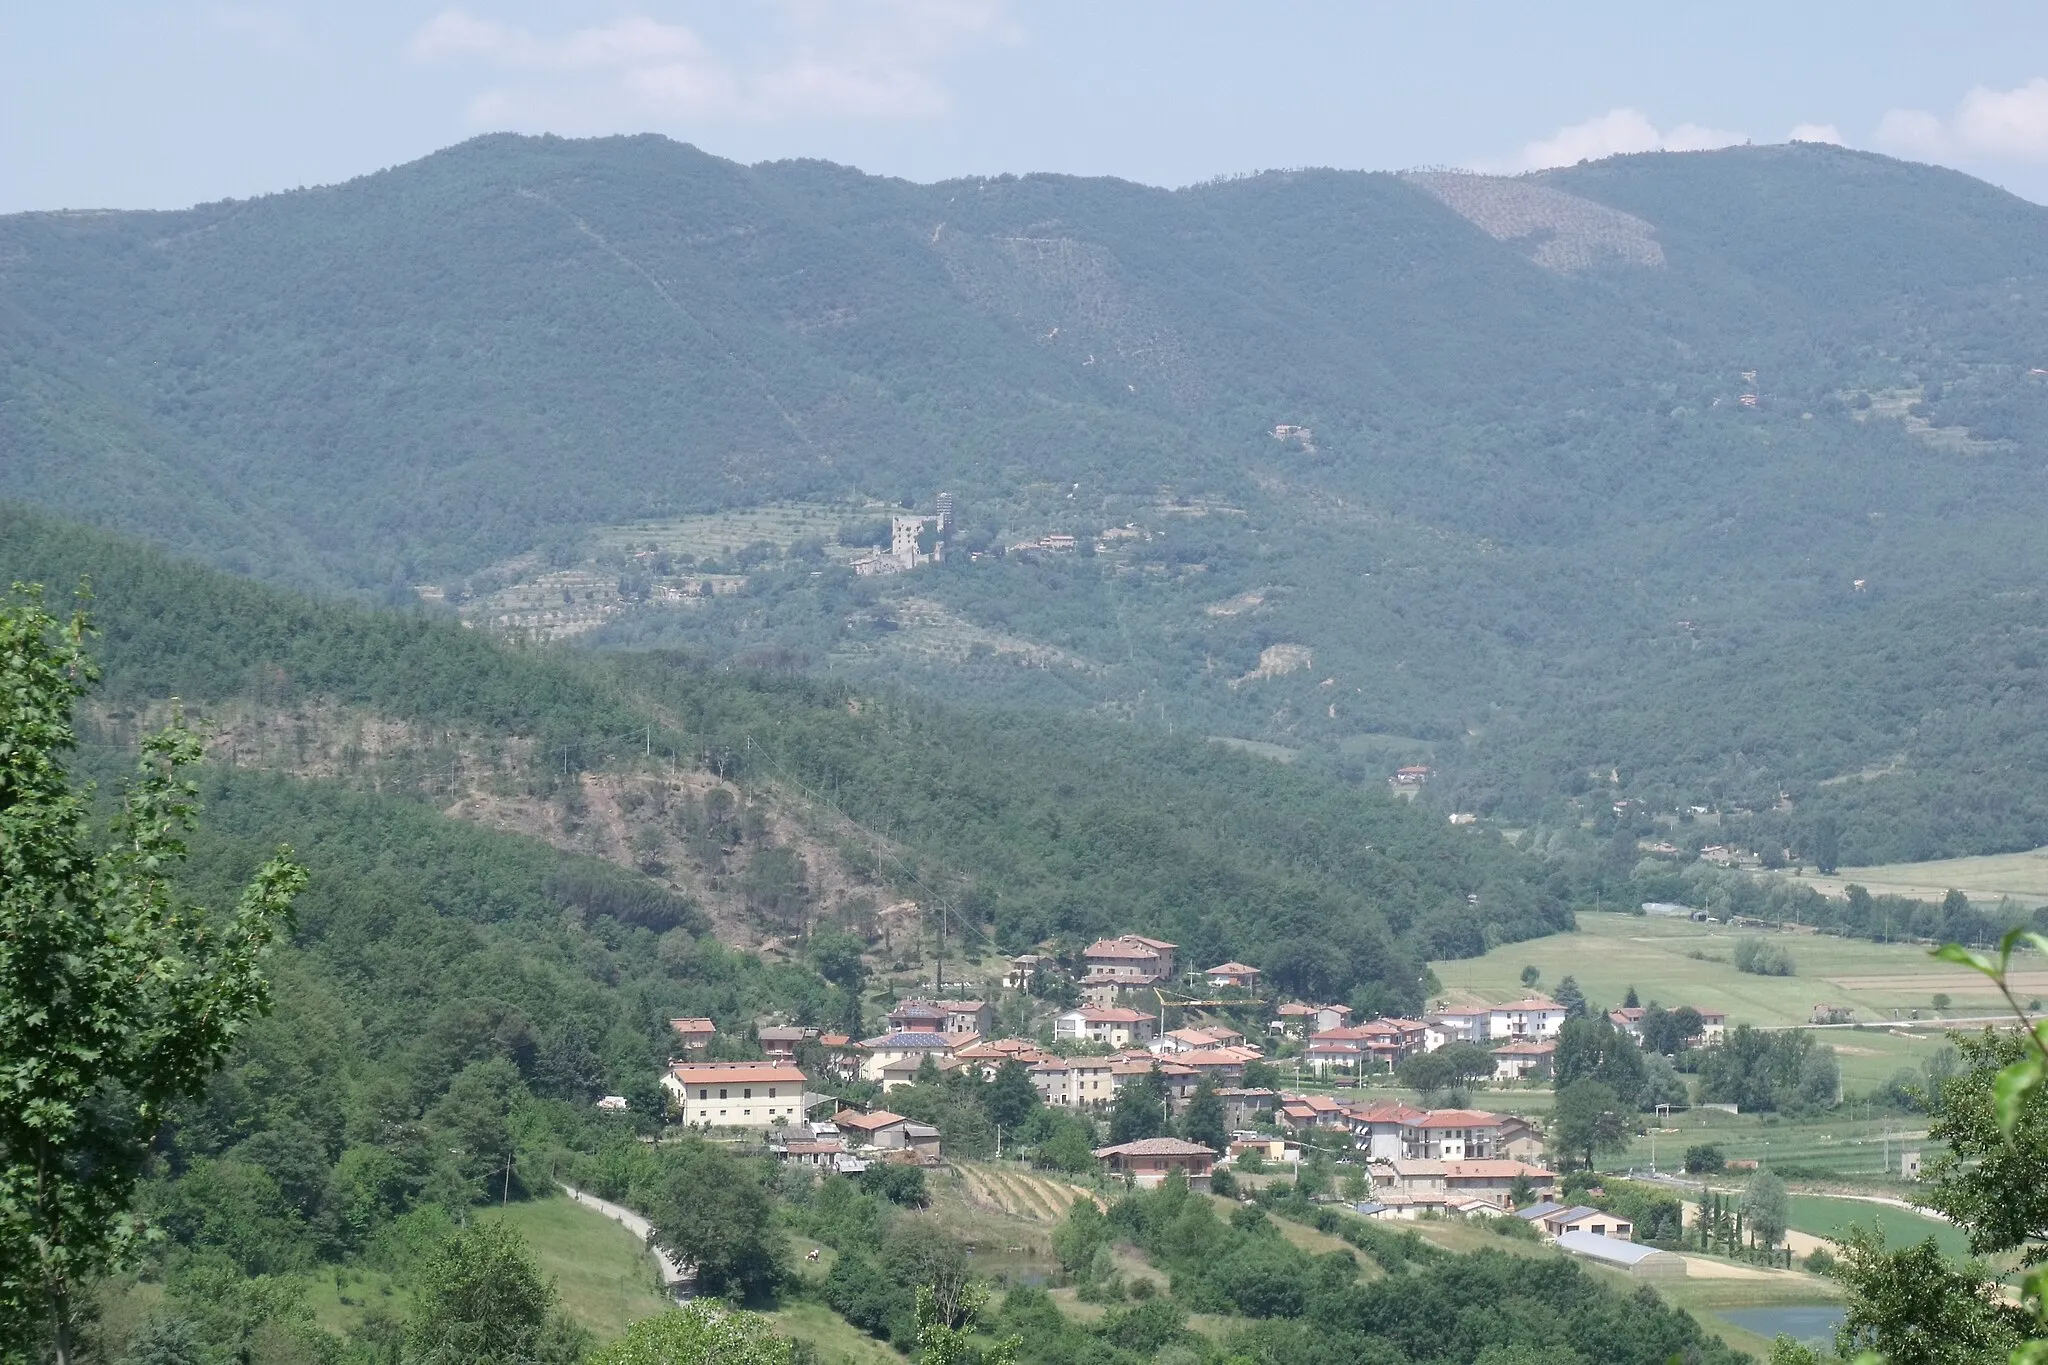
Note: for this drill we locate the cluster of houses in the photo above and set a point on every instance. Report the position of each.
(948, 1035)
(1521, 1035)
(1422, 1161)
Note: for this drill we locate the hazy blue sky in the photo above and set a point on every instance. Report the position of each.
(133, 103)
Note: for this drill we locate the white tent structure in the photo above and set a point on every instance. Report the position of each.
(1644, 1262)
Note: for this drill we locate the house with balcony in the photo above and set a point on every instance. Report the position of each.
(941, 1016)
(1523, 1061)
(1233, 976)
(1536, 1017)
(1458, 1183)
(1297, 1019)
(892, 1059)
(1109, 1025)
(780, 1041)
(693, 1034)
(1147, 1163)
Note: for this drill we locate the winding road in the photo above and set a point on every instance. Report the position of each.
(672, 1273)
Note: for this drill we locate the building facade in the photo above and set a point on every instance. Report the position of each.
(737, 1094)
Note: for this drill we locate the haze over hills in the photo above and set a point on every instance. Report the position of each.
(1685, 479)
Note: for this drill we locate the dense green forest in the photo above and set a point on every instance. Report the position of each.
(1591, 477)
(1032, 824)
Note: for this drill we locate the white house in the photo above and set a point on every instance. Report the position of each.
(737, 1094)
(888, 1053)
(1298, 1018)
(1075, 1082)
(1458, 1026)
(1112, 1026)
(1017, 976)
(1233, 976)
(1521, 1060)
(1536, 1017)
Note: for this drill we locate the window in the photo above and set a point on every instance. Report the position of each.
(748, 1093)
(721, 1094)
(703, 1094)
(771, 1092)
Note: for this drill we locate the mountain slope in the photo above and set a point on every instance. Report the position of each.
(827, 802)
(1560, 429)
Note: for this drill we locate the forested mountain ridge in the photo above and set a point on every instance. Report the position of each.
(1024, 825)
(1573, 441)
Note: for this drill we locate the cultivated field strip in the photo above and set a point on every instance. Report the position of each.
(1020, 1194)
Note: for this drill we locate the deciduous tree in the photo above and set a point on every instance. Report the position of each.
(710, 1211)
(1587, 1120)
(700, 1333)
(1766, 1207)
(115, 1001)
(480, 1300)
(1203, 1121)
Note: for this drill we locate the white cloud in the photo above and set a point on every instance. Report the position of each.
(1997, 125)
(870, 59)
(2005, 123)
(1613, 133)
(1816, 132)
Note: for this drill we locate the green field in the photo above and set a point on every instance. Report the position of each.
(1842, 1144)
(606, 1280)
(604, 1275)
(2021, 876)
(1677, 962)
(1832, 1218)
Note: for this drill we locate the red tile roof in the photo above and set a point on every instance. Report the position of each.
(737, 1073)
(1493, 1170)
(1457, 1118)
(1156, 1147)
(1110, 947)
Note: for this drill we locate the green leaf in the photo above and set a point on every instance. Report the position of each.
(1963, 957)
(2009, 1092)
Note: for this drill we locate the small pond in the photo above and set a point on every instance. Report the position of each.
(1807, 1322)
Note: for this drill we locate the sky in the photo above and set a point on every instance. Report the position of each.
(165, 103)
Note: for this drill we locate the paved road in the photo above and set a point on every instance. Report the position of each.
(672, 1274)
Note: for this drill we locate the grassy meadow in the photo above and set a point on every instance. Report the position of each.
(1677, 962)
(2021, 876)
(1842, 1145)
(1832, 1218)
(605, 1276)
